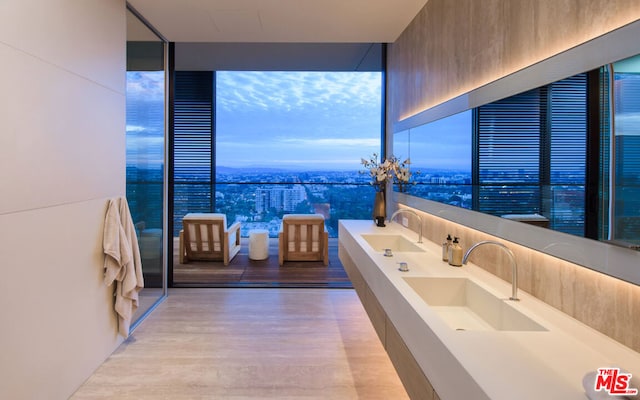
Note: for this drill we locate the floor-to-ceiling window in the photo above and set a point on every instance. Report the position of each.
(258, 145)
(291, 142)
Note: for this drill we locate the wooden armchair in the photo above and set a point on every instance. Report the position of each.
(204, 236)
(303, 237)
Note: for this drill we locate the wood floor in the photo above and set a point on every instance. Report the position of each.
(250, 344)
(244, 272)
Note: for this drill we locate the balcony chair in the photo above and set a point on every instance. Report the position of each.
(205, 237)
(303, 237)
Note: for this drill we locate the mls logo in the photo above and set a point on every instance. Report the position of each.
(614, 382)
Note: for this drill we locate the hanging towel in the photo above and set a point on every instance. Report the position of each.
(122, 262)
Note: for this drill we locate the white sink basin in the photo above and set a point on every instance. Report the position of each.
(397, 243)
(465, 306)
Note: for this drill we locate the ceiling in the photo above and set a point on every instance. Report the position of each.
(279, 21)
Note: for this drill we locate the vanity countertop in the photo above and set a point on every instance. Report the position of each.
(481, 364)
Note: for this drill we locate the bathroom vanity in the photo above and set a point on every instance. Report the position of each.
(452, 333)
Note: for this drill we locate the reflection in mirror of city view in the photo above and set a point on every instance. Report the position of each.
(530, 156)
(440, 154)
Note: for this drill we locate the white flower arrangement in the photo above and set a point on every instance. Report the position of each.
(401, 173)
(389, 170)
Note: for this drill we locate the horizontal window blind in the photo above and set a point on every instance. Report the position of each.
(193, 144)
(193, 127)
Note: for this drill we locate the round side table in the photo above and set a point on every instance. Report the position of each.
(258, 244)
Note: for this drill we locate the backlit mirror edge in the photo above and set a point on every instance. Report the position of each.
(603, 257)
(615, 261)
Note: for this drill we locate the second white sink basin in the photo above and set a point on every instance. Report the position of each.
(464, 305)
(397, 243)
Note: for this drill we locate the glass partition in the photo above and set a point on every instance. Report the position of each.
(145, 154)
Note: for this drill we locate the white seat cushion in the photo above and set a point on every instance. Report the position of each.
(207, 216)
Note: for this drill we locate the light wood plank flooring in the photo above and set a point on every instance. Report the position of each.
(250, 344)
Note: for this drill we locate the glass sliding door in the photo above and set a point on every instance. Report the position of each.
(256, 145)
(145, 161)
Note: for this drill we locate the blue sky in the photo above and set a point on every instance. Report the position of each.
(293, 120)
(145, 118)
(308, 120)
(443, 144)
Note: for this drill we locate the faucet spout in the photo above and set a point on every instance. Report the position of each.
(514, 267)
(406, 210)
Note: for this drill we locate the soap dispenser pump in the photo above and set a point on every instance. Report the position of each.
(455, 253)
(445, 248)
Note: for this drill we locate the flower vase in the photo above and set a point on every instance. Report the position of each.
(379, 209)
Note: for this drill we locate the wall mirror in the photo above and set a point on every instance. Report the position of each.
(529, 149)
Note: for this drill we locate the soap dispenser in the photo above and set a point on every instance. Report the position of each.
(445, 248)
(455, 253)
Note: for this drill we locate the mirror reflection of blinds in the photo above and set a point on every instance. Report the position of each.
(509, 154)
(568, 108)
(568, 157)
(193, 144)
(531, 154)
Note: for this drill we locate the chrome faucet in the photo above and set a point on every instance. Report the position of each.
(514, 267)
(406, 210)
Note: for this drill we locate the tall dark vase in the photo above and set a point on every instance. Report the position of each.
(379, 208)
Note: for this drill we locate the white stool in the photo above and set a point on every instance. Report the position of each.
(258, 244)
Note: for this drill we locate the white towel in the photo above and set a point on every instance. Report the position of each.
(122, 262)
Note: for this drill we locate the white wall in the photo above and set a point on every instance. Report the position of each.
(62, 156)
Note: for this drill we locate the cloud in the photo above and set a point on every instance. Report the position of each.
(288, 91)
(331, 142)
(305, 119)
(298, 119)
(135, 128)
(145, 86)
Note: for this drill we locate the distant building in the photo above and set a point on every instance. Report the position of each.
(279, 198)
